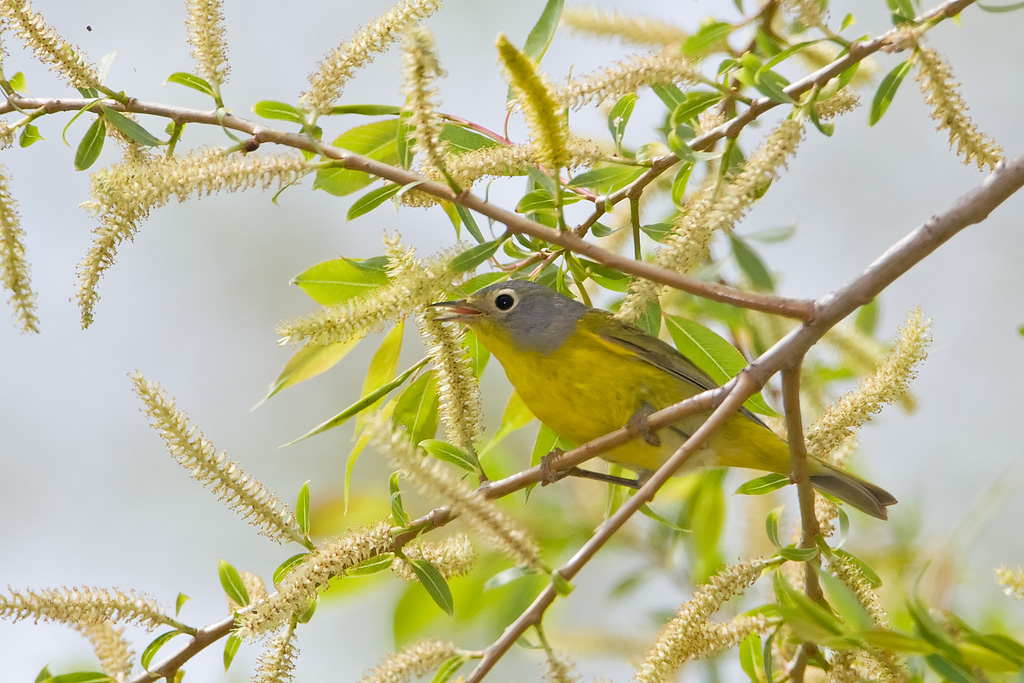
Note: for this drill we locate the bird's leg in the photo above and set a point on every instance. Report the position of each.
(607, 478)
(638, 425)
(550, 476)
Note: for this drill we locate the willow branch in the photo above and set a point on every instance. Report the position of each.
(517, 223)
(201, 640)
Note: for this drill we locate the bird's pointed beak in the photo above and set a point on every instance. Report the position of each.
(459, 311)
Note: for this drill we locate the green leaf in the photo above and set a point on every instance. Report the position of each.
(478, 353)
(448, 669)
(866, 319)
(886, 91)
(371, 200)
(288, 565)
(506, 577)
(516, 416)
(845, 603)
(607, 179)
(231, 582)
(17, 83)
(772, 235)
(543, 31)
(467, 219)
(650, 321)
(772, 84)
(310, 611)
(657, 231)
(647, 511)
(91, 145)
(618, 117)
(894, 640)
(231, 645)
(560, 584)
(670, 95)
(398, 513)
(763, 485)
(43, 675)
(332, 282)
(374, 565)
(950, 672)
(179, 602)
(442, 450)
(794, 554)
(147, 655)
(902, 10)
(416, 408)
(30, 135)
(751, 264)
(377, 140)
(1001, 8)
(866, 571)
(81, 677)
(461, 139)
(710, 38)
(311, 360)
(750, 657)
(540, 200)
(367, 109)
(692, 105)
(712, 354)
(129, 128)
(191, 81)
(435, 584)
(771, 525)
(302, 509)
(278, 111)
(474, 256)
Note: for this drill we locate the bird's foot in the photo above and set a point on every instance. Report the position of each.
(549, 475)
(639, 426)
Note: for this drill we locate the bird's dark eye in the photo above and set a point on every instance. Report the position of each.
(504, 301)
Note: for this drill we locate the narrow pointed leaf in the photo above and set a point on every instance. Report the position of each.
(371, 200)
(91, 145)
(129, 128)
(332, 282)
(231, 582)
(435, 584)
(279, 111)
(886, 91)
(308, 362)
(762, 485)
(231, 645)
(416, 408)
(378, 140)
(191, 81)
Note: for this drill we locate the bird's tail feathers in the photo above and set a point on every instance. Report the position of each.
(863, 495)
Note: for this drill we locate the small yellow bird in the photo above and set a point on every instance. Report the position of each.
(584, 373)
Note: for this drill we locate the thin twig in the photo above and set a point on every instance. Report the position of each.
(801, 474)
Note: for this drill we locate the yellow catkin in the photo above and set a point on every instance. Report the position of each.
(691, 635)
(458, 392)
(414, 661)
(111, 648)
(453, 557)
(254, 502)
(941, 92)
(14, 271)
(413, 284)
(302, 584)
(662, 68)
(82, 606)
(49, 46)
(629, 28)
(204, 20)
(421, 70)
(1012, 581)
(124, 194)
(435, 480)
(887, 384)
(338, 66)
(540, 105)
(277, 662)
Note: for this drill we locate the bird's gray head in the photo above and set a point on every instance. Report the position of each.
(527, 315)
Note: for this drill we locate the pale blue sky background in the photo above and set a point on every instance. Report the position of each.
(87, 491)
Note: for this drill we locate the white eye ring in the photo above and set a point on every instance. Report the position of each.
(505, 300)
